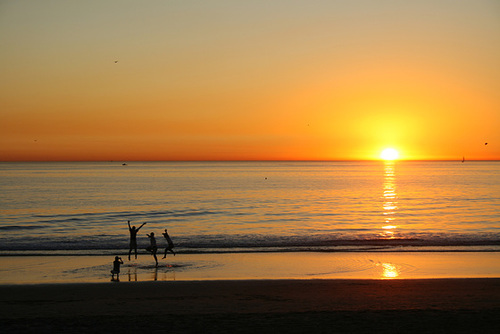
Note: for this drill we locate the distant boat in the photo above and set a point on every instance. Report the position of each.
(463, 159)
(124, 164)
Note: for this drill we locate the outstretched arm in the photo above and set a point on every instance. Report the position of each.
(141, 226)
(128, 222)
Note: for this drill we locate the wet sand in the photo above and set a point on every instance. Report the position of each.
(252, 266)
(255, 306)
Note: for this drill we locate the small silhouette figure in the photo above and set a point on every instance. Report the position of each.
(133, 238)
(170, 244)
(116, 268)
(152, 247)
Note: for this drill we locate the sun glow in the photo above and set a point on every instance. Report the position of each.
(389, 154)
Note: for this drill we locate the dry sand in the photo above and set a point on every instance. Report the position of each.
(255, 306)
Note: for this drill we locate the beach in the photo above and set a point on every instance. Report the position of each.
(260, 248)
(248, 306)
(374, 292)
(250, 167)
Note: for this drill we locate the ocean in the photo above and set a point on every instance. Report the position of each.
(82, 208)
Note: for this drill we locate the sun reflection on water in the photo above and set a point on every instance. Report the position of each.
(390, 204)
(389, 270)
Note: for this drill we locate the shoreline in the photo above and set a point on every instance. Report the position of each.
(269, 306)
(251, 266)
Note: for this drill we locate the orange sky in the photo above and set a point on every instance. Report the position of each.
(254, 80)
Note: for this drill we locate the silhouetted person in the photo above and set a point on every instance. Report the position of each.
(133, 238)
(170, 244)
(152, 247)
(116, 268)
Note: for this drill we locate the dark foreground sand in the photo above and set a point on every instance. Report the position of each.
(275, 306)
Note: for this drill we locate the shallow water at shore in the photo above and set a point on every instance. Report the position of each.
(301, 265)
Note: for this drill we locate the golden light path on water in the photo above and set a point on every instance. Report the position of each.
(390, 205)
(390, 200)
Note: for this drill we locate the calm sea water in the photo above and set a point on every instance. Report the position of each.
(250, 206)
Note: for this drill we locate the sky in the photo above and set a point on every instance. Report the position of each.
(123, 80)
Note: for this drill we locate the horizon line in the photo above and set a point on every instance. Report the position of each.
(258, 160)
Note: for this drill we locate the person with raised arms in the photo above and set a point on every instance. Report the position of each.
(133, 238)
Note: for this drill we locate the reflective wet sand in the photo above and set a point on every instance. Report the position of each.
(244, 266)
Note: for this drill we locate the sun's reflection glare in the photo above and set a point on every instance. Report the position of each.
(389, 270)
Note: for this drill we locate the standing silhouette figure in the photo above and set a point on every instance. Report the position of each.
(133, 238)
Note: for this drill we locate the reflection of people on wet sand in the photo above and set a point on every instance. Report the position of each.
(152, 247)
(116, 268)
(155, 274)
(170, 244)
(133, 238)
(132, 274)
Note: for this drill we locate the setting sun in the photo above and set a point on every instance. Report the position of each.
(389, 154)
